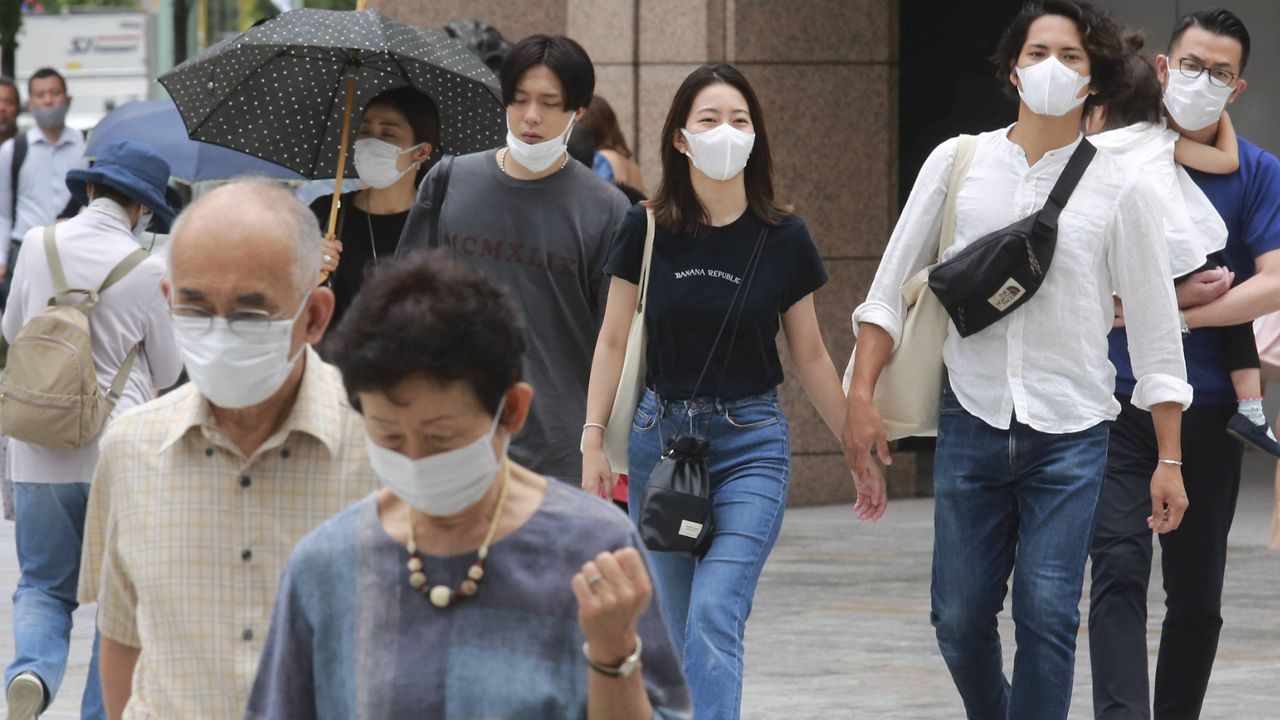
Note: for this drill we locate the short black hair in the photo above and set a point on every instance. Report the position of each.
(562, 55)
(47, 72)
(8, 82)
(427, 314)
(1099, 34)
(1219, 22)
(418, 110)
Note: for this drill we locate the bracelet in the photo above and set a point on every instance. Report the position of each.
(582, 441)
(1167, 461)
(628, 666)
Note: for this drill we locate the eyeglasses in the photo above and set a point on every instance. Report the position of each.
(1217, 76)
(245, 323)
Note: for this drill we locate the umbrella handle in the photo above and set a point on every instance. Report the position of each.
(342, 163)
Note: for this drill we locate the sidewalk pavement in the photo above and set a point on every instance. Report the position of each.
(841, 623)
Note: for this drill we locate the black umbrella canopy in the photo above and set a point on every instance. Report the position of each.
(277, 91)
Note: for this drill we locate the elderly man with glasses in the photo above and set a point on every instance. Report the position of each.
(200, 496)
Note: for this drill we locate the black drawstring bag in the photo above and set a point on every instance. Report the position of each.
(998, 273)
(676, 512)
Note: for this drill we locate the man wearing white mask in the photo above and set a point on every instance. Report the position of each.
(44, 155)
(132, 342)
(538, 226)
(1022, 432)
(1201, 75)
(200, 496)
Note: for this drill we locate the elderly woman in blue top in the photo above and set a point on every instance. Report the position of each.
(470, 587)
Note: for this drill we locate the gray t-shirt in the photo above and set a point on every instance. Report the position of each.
(544, 242)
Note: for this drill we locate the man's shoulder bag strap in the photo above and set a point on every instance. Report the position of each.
(19, 155)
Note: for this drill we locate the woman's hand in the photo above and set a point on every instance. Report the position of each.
(597, 476)
(613, 591)
(331, 253)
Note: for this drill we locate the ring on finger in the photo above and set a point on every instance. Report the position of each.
(595, 578)
(328, 258)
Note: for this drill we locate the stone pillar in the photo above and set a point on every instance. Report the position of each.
(826, 72)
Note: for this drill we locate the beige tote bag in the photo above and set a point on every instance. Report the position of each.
(617, 434)
(910, 386)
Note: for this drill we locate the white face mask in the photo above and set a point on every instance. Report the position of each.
(376, 162)
(539, 157)
(240, 368)
(140, 227)
(1194, 103)
(721, 152)
(445, 483)
(1051, 88)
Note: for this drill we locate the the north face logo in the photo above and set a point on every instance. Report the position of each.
(1006, 295)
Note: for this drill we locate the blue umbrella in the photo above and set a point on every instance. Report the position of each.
(158, 124)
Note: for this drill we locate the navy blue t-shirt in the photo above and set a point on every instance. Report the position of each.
(1249, 202)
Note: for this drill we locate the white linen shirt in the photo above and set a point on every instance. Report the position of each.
(1045, 364)
(42, 183)
(132, 310)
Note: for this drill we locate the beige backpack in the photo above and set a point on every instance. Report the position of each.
(49, 395)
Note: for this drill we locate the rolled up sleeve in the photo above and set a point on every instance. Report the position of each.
(912, 247)
(1141, 276)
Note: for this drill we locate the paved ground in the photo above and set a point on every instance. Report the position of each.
(841, 624)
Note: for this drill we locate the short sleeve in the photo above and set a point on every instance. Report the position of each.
(807, 271)
(103, 577)
(1262, 212)
(626, 253)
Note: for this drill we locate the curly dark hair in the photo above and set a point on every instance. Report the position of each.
(428, 314)
(1100, 35)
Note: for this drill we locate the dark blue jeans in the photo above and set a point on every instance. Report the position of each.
(706, 601)
(1022, 501)
(49, 531)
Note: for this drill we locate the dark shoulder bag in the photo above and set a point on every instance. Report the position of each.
(439, 186)
(676, 511)
(999, 272)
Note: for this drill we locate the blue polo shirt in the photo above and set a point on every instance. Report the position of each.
(1249, 202)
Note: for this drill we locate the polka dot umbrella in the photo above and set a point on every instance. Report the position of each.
(287, 90)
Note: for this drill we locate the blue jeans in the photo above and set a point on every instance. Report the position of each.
(1011, 500)
(706, 601)
(50, 529)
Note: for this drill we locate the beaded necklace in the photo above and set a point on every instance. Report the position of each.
(440, 595)
(502, 161)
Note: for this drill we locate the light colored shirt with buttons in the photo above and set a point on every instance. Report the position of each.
(186, 539)
(1045, 364)
(42, 183)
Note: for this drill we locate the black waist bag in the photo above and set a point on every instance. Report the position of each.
(998, 273)
(675, 514)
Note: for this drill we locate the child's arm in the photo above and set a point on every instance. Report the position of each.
(1220, 159)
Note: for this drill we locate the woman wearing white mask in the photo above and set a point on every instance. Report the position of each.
(398, 133)
(467, 587)
(718, 229)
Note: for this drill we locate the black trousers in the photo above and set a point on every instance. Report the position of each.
(1194, 562)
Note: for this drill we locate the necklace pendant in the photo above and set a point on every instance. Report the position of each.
(440, 596)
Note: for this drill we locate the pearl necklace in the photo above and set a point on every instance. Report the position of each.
(440, 595)
(502, 161)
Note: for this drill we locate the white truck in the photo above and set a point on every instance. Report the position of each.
(105, 56)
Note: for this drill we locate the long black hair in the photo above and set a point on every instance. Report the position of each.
(676, 205)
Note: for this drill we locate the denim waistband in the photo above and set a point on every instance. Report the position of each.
(701, 405)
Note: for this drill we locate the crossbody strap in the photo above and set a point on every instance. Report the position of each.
(1066, 184)
(748, 275)
(959, 171)
(15, 167)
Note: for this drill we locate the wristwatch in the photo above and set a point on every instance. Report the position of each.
(1182, 320)
(627, 667)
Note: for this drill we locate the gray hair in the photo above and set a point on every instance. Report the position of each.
(299, 222)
